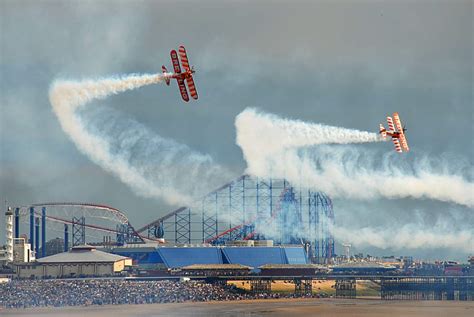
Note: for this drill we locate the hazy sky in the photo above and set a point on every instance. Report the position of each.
(344, 63)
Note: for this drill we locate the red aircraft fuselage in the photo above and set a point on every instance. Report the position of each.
(185, 75)
(393, 134)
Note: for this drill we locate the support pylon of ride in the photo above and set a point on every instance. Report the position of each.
(251, 208)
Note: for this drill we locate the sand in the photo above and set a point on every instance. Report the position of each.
(265, 308)
(364, 288)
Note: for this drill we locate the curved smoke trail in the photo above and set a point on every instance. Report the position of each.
(151, 165)
(276, 147)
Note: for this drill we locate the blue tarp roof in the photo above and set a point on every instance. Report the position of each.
(254, 256)
(148, 255)
(295, 255)
(174, 257)
(178, 257)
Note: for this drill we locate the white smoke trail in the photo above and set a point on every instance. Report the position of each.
(262, 134)
(275, 147)
(150, 164)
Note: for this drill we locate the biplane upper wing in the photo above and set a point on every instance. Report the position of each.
(396, 142)
(189, 80)
(398, 124)
(403, 142)
(175, 61)
(182, 89)
(184, 58)
(192, 87)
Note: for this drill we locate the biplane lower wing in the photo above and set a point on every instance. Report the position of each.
(182, 89)
(391, 126)
(396, 143)
(192, 88)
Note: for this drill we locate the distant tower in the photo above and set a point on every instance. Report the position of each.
(347, 250)
(9, 233)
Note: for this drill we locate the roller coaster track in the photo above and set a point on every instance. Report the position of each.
(94, 227)
(114, 211)
(272, 218)
(241, 210)
(117, 214)
(160, 220)
(240, 226)
(177, 211)
(229, 231)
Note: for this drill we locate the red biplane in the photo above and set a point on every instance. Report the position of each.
(396, 132)
(181, 77)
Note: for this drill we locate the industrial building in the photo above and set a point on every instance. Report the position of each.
(79, 261)
(22, 251)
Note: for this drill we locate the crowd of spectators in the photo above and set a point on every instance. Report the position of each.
(60, 293)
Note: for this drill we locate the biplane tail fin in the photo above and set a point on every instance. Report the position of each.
(167, 79)
(383, 131)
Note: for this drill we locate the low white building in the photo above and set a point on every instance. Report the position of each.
(79, 261)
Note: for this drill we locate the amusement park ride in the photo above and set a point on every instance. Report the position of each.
(398, 134)
(251, 208)
(79, 220)
(181, 77)
(247, 208)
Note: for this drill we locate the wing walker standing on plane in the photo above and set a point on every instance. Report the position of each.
(181, 77)
(398, 134)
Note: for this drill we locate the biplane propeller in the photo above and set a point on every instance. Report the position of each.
(397, 132)
(181, 77)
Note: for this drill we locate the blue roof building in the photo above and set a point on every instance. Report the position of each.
(177, 257)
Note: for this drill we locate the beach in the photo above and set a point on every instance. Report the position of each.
(264, 308)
